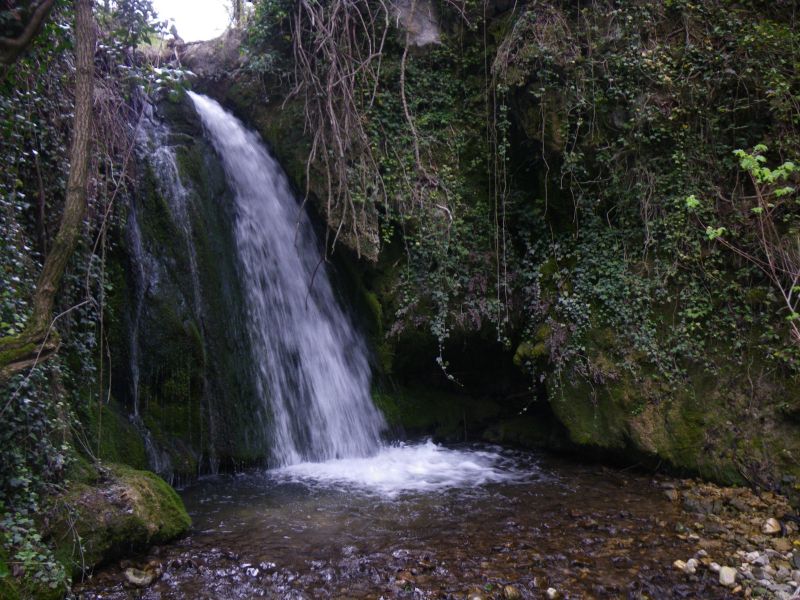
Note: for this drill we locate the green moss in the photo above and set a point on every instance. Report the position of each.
(591, 415)
(387, 404)
(448, 417)
(111, 436)
(159, 505)
(126, 511)
(9, 356)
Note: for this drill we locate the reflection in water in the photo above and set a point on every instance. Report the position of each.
(499, 518)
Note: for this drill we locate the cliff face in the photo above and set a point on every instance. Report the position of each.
(181, 345)
(567, 276)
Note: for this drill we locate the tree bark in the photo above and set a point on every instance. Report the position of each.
(37, 342)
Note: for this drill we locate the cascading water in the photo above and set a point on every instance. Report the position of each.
(312, 368)
(311, 365)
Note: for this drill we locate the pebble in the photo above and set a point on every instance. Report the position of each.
(511, 593)
(138, 577)
(761, 561)
(727, 576)
(680, 565)
(771, 526)
(751, 556)
(691, 566)
(552, 594)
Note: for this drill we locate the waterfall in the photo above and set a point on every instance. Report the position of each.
(311, 364)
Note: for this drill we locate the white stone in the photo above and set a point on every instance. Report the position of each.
(727, 576)
(691, 565)
(771, 526)
(751, 556)
(552, 593)
(714, 567)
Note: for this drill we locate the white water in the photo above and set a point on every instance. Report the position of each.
(311, 365)
(424, 467)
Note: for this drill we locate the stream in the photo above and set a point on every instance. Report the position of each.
(345, 515)
(423, 521)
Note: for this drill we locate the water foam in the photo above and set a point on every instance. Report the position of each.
(405, 468)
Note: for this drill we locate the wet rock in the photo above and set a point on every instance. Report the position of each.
(138, 577)
(727, 576)
(739, 503)
(691, 566)
(771, 526)
(761, 560)
(511, 593)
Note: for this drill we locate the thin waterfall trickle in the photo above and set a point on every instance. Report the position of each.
(311, 364)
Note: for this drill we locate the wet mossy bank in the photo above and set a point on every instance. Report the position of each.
(182, 367)
(104, 513)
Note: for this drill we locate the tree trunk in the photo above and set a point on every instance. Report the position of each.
(37, 341)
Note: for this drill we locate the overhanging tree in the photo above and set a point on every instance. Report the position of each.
(39, 340)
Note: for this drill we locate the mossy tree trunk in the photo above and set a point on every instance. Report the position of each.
(38, 341)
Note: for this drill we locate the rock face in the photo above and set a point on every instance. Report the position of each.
(119, 512)
(181, 347)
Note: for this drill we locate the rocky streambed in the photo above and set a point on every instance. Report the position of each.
(750, 540)
(561, 530)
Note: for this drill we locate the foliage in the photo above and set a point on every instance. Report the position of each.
(763, 227)
(34, 457)
(635, 106)
(36, 104)
(557, 184)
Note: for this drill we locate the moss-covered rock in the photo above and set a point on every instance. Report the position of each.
(111, 436)
(122, 511)
(719, 420)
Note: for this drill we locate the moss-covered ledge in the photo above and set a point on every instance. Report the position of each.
(112, 512)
